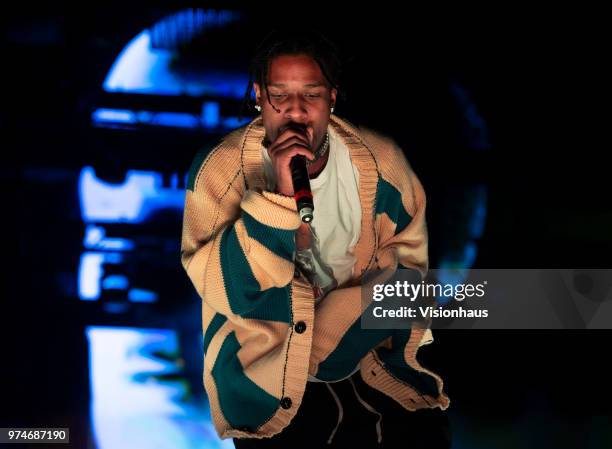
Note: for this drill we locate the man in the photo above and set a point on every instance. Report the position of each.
(285, 356)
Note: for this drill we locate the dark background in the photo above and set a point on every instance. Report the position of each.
(536, 83)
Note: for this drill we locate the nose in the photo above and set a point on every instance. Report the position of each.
(296, 110)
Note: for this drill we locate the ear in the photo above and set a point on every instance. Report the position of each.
(332, 97)
(257, 90)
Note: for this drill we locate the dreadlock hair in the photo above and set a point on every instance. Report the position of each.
(288, 42)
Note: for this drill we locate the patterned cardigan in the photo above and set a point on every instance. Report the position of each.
(262, 333)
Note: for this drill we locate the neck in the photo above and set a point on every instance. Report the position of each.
(316, 168)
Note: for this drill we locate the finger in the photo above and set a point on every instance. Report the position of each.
(290, 132)
(288, 153)
(287, 144)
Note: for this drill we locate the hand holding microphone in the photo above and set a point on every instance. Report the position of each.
(288, 154)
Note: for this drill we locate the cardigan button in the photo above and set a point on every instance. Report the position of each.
(300, 327)
(285, 402)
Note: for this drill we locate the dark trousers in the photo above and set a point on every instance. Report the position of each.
(317, 420)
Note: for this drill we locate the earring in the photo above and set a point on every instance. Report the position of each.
(332, 109)
(258, 107)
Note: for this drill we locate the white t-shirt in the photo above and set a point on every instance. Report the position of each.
(336, 223)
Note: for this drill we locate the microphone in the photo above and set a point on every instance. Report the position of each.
(301, 182)
(301, 187)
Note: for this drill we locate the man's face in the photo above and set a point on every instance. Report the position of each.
(299, 90)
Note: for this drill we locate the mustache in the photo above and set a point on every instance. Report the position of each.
(299, 127)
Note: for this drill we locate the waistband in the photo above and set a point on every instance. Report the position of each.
(311, 378)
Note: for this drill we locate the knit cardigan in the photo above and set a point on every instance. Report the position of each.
(262, 332)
